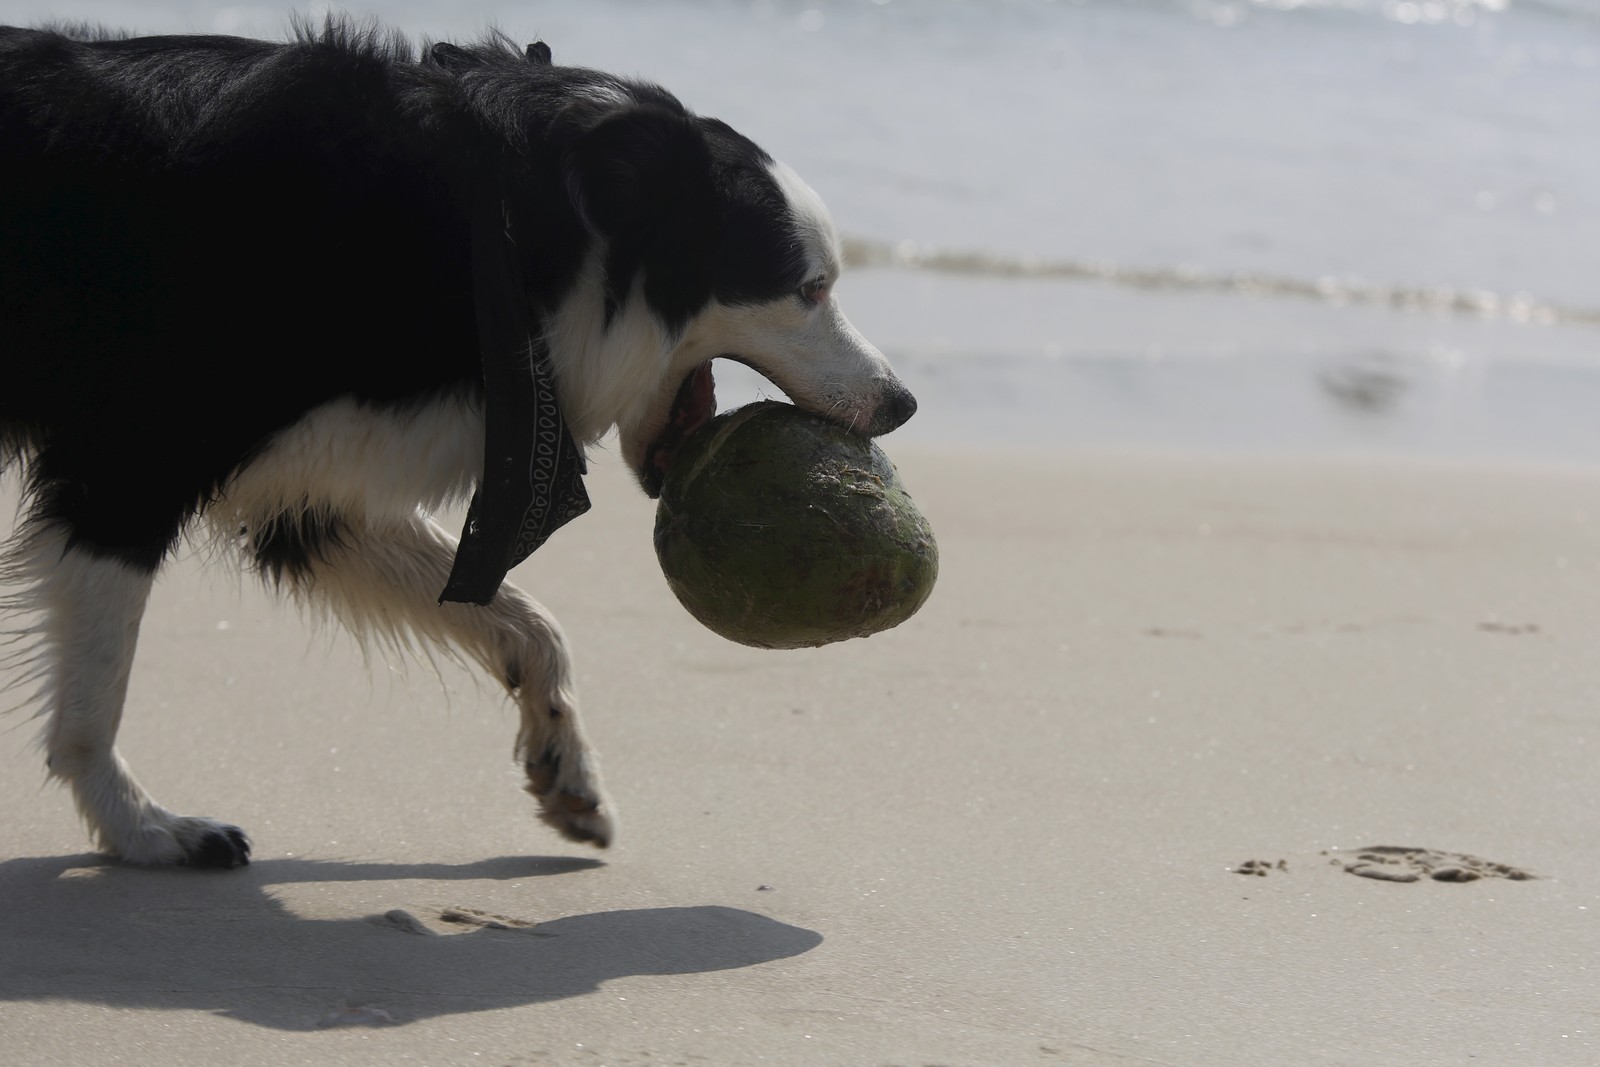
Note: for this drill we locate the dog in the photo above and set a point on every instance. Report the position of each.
(293, 297)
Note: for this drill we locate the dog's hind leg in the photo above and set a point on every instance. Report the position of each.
(86, 609)
(384, 576)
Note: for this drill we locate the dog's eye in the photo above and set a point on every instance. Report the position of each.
(815, 291)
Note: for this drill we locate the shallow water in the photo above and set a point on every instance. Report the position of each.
(1267, 204)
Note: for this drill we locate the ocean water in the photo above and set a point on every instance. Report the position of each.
(1325, 225)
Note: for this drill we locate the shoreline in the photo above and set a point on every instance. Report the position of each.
(1059, 365)
(1363, 407)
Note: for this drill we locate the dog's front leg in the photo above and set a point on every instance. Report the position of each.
(386, 576)
(88, 609)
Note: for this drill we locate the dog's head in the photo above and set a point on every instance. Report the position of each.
(707, 247)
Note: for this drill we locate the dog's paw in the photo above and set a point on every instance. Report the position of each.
(217, 845)
(185, 841)
(577, 818)
(568, 802)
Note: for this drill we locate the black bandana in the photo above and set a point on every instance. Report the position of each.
(532, 470)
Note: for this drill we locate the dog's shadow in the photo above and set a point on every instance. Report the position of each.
(76, 928)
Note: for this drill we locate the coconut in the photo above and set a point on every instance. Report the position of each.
(778, 529)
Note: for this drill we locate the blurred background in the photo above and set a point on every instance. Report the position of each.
(1347, 226)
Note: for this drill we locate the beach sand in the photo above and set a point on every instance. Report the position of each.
(1098, 803)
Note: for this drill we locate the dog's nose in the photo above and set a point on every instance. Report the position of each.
(896, 409)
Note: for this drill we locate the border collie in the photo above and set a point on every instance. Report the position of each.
(291, 297)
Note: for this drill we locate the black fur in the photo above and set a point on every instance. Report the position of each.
(287, 547)
(202, 238)
(223, 849)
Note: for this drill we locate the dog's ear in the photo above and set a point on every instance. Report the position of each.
(452, 57)
(539, 54)
(634, 166)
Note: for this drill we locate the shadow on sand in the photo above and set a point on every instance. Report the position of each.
(76, 928)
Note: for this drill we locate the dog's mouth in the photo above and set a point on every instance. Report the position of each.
(692, 408)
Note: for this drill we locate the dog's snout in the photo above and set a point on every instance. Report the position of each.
(896, 409)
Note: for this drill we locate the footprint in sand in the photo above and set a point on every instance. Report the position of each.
(436, 921)
(1509, 628)
(1394, 863)
(364, 1015)
(1260, 868)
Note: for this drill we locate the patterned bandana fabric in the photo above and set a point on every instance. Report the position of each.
(533, 471)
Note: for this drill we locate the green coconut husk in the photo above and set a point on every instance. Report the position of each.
(778, 529)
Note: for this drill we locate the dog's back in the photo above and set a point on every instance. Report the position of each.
(201, 240)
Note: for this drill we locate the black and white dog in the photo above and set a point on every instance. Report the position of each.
(293, 296)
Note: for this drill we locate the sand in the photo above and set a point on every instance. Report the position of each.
(1107, 800)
